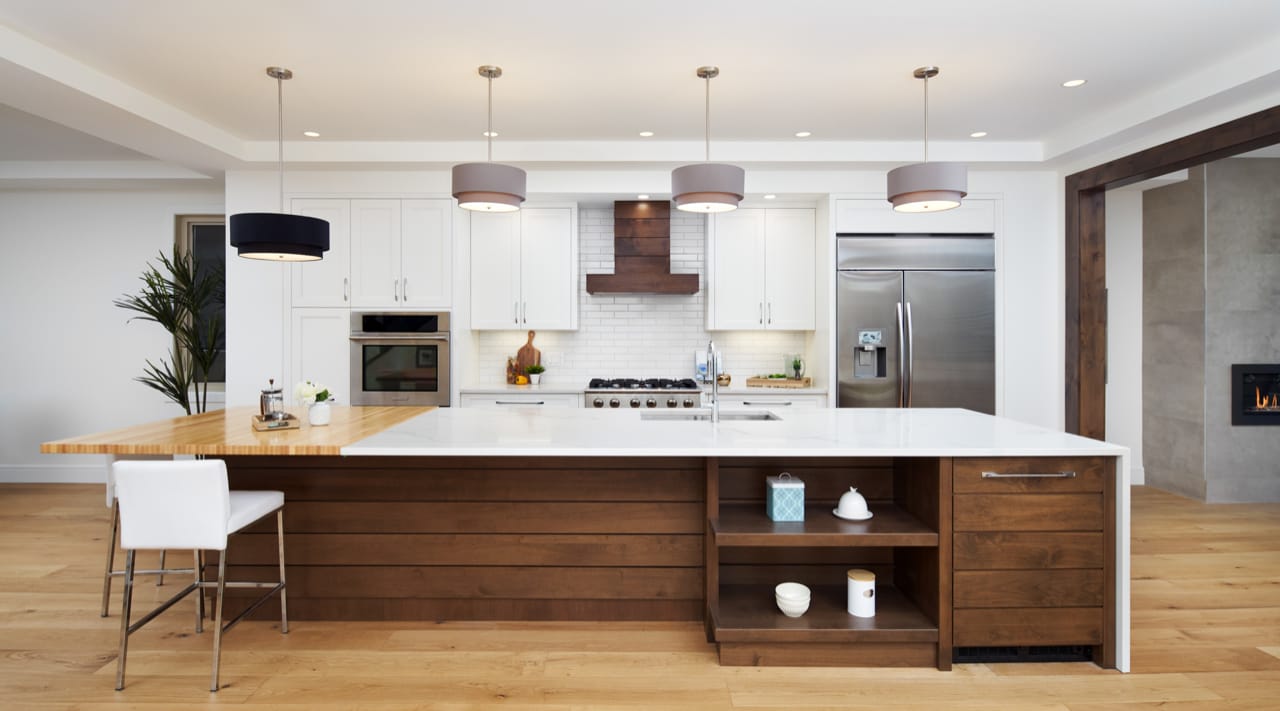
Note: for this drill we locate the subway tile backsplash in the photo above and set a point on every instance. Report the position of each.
(638, 335)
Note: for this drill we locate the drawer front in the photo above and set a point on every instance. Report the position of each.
(1028, 588)
(521, 399)
(1032, 627)
(1028, 512)
(771, 400)
(1007, 475)
(1027, 550)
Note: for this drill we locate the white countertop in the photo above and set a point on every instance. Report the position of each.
(529, 431)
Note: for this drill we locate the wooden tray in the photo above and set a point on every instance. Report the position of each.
(805, 382)
(288, 423)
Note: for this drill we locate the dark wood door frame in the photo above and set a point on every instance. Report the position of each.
(1086, 214)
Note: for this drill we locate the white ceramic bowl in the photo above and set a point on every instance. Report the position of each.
(793, 608)
(794, 592)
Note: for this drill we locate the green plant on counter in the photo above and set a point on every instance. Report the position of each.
(179, 298)
(534, 369)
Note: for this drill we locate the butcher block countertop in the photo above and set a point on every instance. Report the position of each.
(230, 432)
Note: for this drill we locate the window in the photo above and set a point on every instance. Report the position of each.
(204, 237)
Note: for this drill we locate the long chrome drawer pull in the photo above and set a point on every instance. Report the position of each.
(748, 403)
(1015, 475)
(518, 402)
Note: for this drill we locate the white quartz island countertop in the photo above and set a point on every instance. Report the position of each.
(518, 431)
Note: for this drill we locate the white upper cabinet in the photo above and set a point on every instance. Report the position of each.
(401, 253)
(328, 281)
(524, 269)
(974, 216)
(760, 273)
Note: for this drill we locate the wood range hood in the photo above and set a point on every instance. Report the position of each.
(642, 253)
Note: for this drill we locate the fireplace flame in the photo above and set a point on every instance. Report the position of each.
(1270, 401)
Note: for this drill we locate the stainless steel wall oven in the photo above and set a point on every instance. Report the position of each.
(400, 359)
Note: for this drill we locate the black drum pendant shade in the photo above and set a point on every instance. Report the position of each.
(278, 236)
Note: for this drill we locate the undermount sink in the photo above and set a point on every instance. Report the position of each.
(704, 415)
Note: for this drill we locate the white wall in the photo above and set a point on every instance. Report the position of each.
(69, 356)
(1124, 325)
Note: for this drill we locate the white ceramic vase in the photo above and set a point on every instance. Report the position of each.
(319, 413)
(535, 378)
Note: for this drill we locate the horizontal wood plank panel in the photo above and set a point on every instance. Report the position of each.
(230, 432)
(1037, 626)
(381, 608)
(819, 654)
(473, 549)
(1089, 473)
(490, 517)
(1036, 550)
(1029, 588)
(517, 582)
(641, 210)
(447, 482)
(1028, 512)
(642, 247)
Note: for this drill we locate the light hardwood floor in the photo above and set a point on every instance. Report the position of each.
(1206, 635)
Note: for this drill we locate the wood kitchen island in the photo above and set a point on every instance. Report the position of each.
(457, 514)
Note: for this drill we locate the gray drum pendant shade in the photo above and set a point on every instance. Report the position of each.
(489, 186)
(927, 187)
(278, 236)
(708, 187)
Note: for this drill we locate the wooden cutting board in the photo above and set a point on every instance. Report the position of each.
(527, 356)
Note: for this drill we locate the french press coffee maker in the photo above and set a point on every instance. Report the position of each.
(271, 402)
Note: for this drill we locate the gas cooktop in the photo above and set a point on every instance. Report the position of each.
(639, 393)
(615, 384)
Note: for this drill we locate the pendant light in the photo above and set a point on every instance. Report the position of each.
(277, 236)
(489, 187)
(707, 187)
(927, 187)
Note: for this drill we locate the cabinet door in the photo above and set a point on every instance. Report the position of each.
(495, 270)
(547, 269)
(789, 279)
(426, 253)
(326, 282)
(375, 253)
(321, 351)
(736, 270)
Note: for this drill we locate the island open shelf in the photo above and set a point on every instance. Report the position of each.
(744, 524)
(748, 614)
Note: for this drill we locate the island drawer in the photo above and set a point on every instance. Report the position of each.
(1036, 550)
(1028, 626)
(1029, 512)
(1029, 475)
(1028, 588)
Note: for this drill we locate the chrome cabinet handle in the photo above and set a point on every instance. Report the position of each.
(515, 312)
(911, 357)
(770, 312)
(346, 289)
(766, 404)
(519, 402)
(1029, 475)
(761, 317)
(395, 289)
(405, 288)
(524, 312)
(902, 359)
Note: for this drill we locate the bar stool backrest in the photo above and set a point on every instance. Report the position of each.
(173, 504)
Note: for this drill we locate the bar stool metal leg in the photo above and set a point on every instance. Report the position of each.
(284, 603)
(160, 578)
(199, 592)
(111, 556)
(217, 630)
(124, 618)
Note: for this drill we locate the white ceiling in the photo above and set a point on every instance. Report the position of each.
(394, 81)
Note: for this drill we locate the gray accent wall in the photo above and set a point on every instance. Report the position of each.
(1211, 297)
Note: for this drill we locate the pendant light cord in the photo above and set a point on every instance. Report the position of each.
(489, 133)
(280, 135)
(926, 118)
(707, 126)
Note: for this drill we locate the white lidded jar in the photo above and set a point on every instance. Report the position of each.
(862, 593)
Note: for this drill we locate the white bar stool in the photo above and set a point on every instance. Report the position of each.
(113, 530)
(187, 505)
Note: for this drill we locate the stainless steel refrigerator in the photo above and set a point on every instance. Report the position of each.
(916, 321)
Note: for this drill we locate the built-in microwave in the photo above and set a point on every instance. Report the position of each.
(400, 358)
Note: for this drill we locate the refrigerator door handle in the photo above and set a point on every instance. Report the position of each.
(902, 359)
(911, 356)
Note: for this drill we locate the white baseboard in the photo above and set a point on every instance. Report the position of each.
(1137, 476)
(53, 473)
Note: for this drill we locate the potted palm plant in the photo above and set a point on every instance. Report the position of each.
(179, 297)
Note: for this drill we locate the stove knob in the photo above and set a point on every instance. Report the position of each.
(671, 402)
(614, 402)
(688, 402)
(651, 403)
(598, 402)
(635, 402)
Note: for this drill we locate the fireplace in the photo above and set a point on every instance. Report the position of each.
(1255, 394)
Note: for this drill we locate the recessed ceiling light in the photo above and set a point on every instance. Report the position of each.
(646, 134)
(770, 196)
(642, 197)
(803, 134)
(978, 134)
(1073, 83)
(311, 134)
(490, 134)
